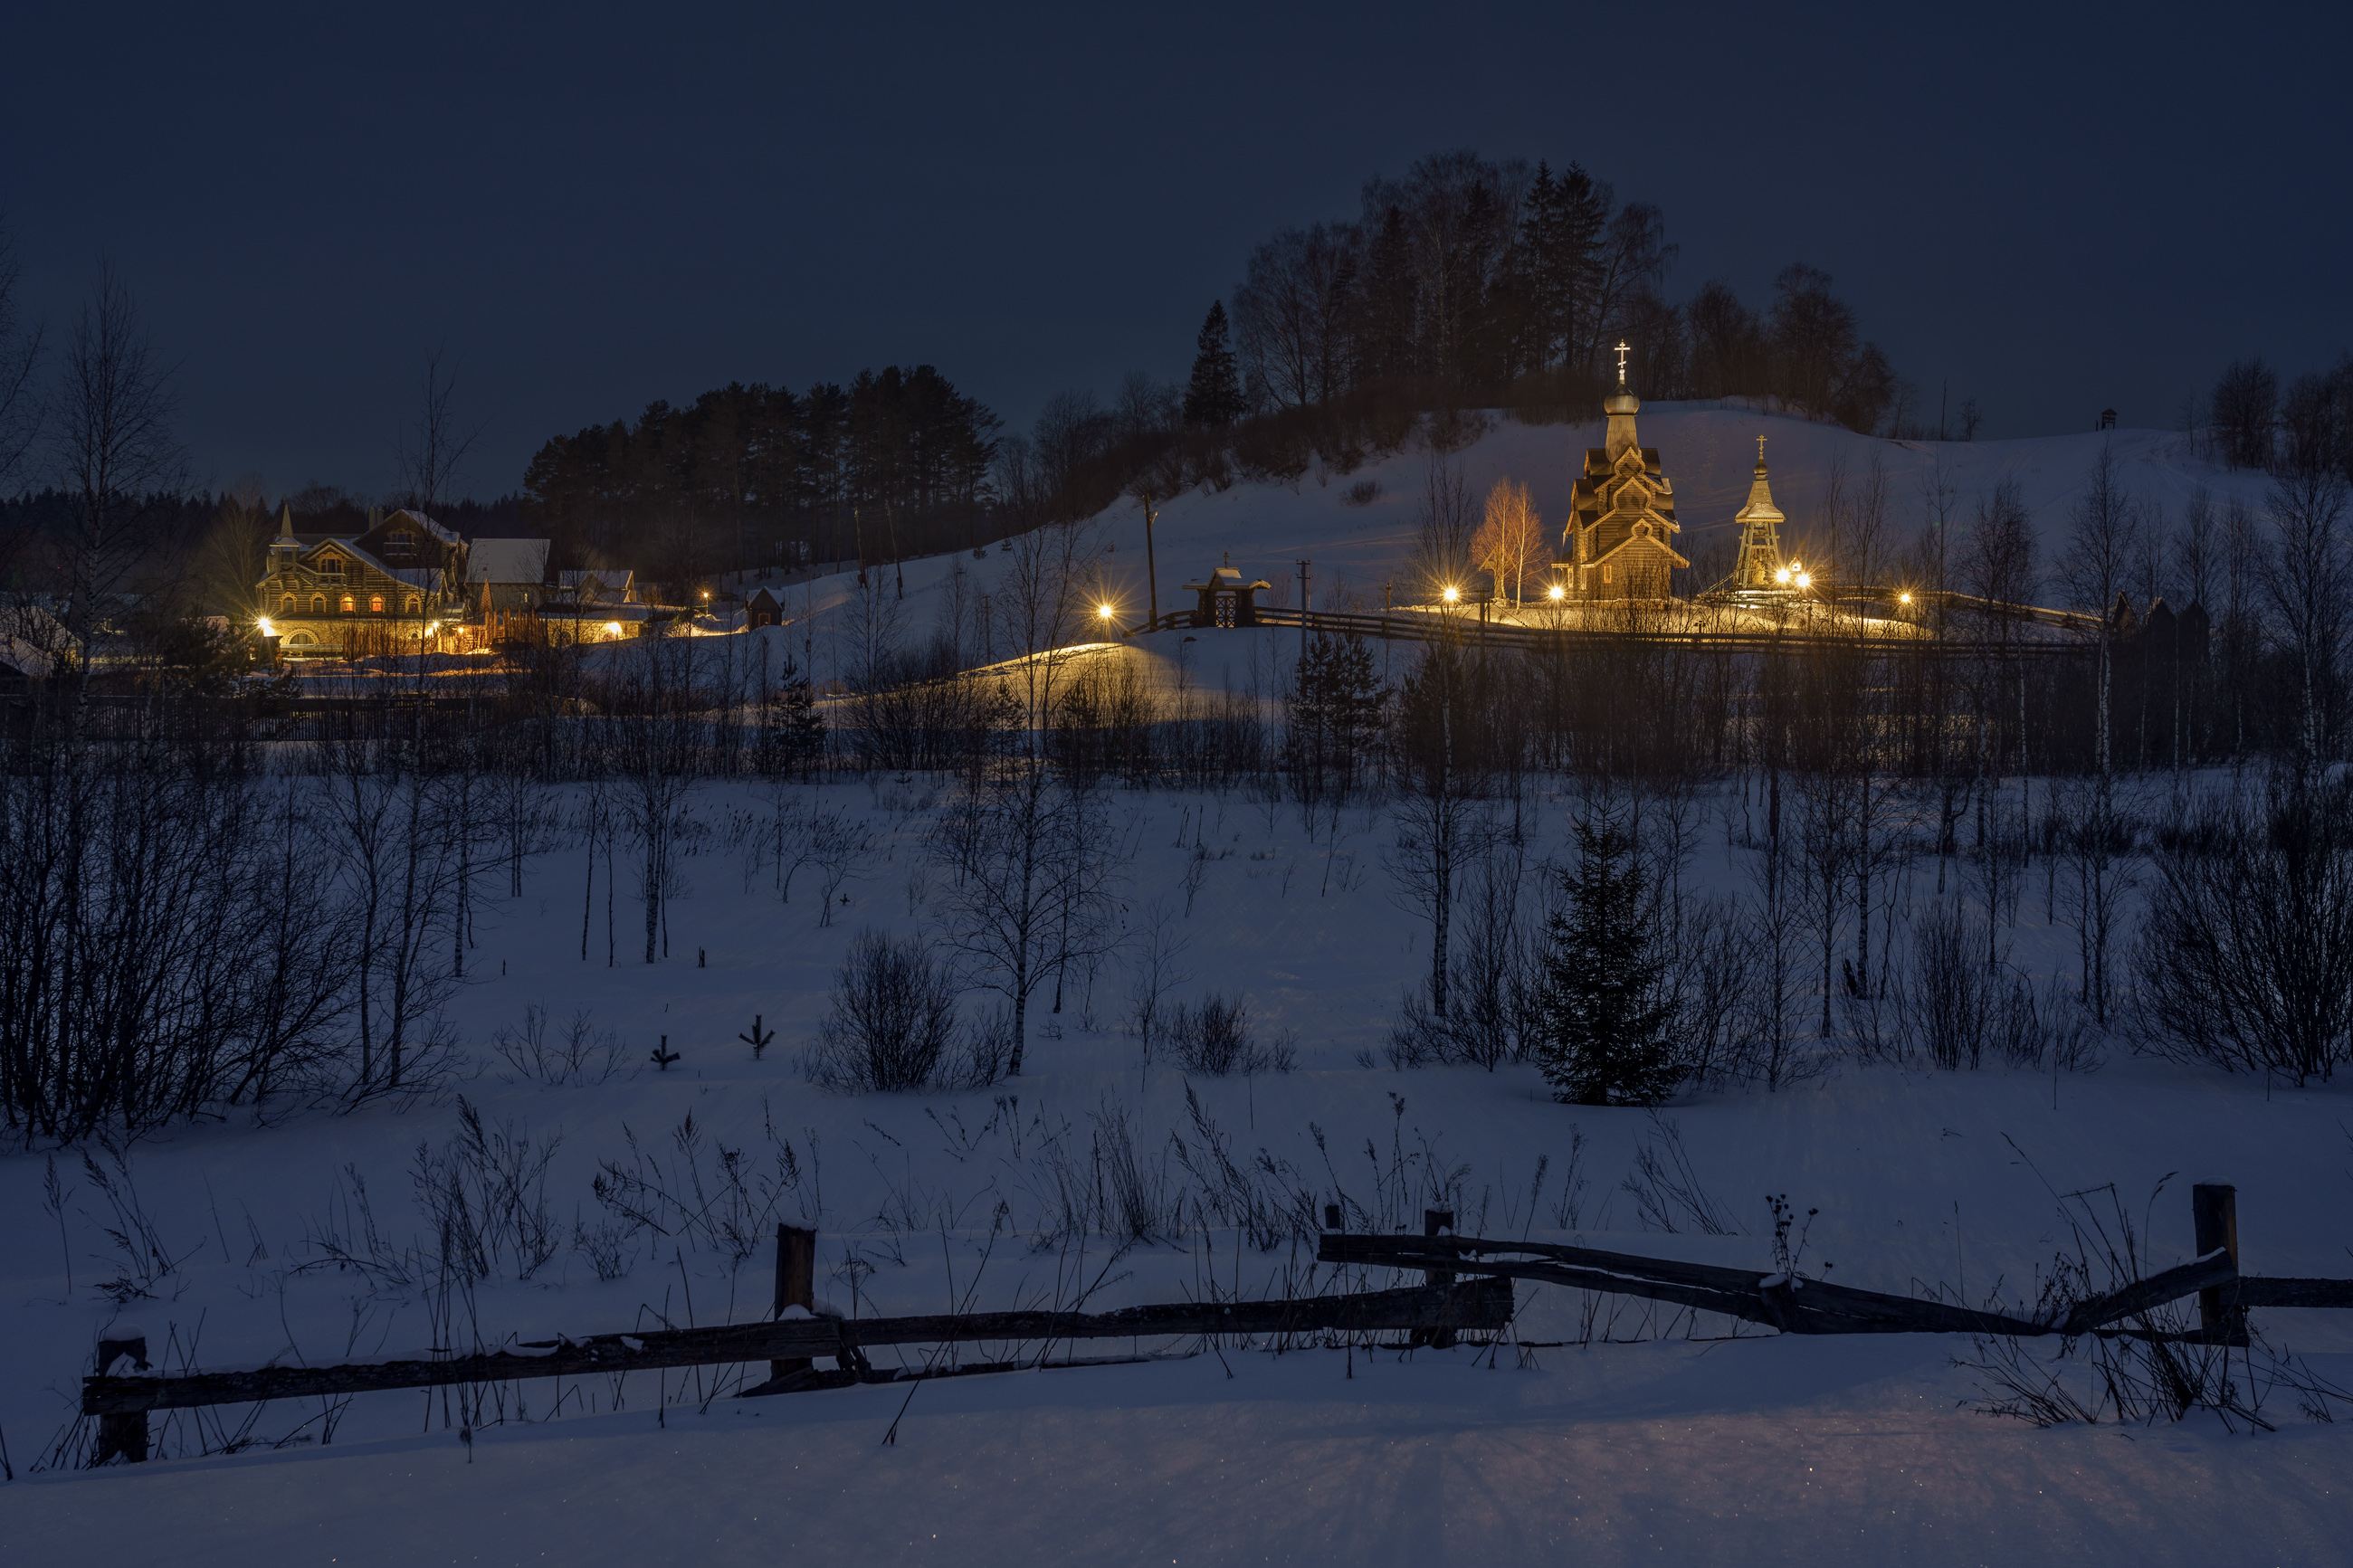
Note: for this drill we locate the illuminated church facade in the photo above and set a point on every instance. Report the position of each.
(1617, 542)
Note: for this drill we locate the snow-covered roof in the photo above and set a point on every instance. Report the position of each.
(31, 662)
(414, 577)
(507, 561)
(31, 626)
(591, 610)
(613, 577)
(435, 528)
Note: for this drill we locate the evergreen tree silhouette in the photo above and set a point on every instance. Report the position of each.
(1605, 1015)
(1213, 398)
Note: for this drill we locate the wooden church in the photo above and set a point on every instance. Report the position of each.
(1617, 543)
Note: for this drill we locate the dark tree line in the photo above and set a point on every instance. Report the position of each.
(893, 465)
(2249, 422)
(1470, 281)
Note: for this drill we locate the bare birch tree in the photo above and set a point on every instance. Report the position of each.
(112, 454)
(434, 442)
(2102, 535)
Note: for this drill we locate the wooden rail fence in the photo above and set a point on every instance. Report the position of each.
(1433, 1313)
(1464, 627)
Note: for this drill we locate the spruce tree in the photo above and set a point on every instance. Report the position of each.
(1603, 1028)
(794, 719)
(1213, 398)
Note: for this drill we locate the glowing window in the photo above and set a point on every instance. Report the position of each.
(1605, 573)
(376, 604)
(347, 602)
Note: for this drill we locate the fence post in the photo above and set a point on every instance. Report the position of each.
(1438, 1221)
(125, 1434)
(2214, 1214)
(796, 1284)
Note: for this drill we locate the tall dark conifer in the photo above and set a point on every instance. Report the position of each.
(1213, 399)
(1603, 1030)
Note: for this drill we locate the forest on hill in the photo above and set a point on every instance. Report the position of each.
(1465, 283)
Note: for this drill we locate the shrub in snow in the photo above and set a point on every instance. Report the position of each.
(892, 1024)
(1214, 1038)
(2246, 959)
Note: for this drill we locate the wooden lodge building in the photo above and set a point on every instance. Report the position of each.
(389, 589)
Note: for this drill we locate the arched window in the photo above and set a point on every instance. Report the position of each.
(411, 607)
(286, 605)
(376, 604)
(347, 604)
(318, 603)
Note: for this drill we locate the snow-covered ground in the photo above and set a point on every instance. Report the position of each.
(1753, 1448)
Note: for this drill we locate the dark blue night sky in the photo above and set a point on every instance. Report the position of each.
(2058, 210)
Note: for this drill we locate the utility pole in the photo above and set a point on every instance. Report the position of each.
(1303, 566)
(1151, 570)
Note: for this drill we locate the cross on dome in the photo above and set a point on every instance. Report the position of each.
(1621, 362)
(1760, 451)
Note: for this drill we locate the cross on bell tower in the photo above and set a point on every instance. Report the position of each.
(1760, 522)
(1621, 362)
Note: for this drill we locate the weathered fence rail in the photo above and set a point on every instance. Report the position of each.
(1817, 1307)
(1780, 1301)
(1485, 1304)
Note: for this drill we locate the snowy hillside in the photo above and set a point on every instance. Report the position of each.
(1708, 452)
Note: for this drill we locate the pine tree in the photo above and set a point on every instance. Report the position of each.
(1605, 1016)
(1214, 399)
(793, 719)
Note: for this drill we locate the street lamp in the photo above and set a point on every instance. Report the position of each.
(1452, 595)
(1103, 612)
(1556, 592)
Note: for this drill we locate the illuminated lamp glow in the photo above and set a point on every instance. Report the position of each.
(612, 629)
(264, 624)
(1452, 595)
(1782, 575)
(1103, 611)
(1558, 591)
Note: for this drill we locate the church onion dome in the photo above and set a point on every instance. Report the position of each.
(1621, 402)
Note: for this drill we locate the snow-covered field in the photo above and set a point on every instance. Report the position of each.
(1665, 1449)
